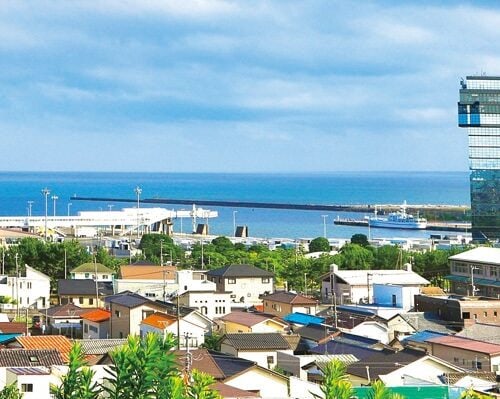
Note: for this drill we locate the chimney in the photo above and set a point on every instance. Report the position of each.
(407, 267)
(334, 268)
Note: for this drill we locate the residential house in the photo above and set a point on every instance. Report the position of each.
(243, 322)
(192, 330)
(59, 342)
(239, 373)
(209, 303)
(194, 280)
(283, 303)
(83, 293)
(308, 367)
(356, 286)
(380, 363)
(21, 357)
(261, 348)
(96, 323)
(314, 334)
(89, 271)
(420, 340)
(65, 319)
(150, 281)
(467, 353)
(32, 382)
(246, 283)
(476, 272)
(460, 312)
(128, 310)
(30, 291)
(426, 370)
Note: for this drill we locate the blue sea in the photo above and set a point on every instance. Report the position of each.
(17, 188)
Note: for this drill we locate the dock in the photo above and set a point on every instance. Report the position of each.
(434, 226)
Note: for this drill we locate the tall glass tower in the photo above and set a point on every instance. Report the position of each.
(479, 111)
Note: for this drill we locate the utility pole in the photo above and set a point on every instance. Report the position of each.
(324, 224)
(96, 283)
(45, 193)
(65, 264)
(472, 268)
(334, 299)
(17, 286)
(368, 275)
(138, 191)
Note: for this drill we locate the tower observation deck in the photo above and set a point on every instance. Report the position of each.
(479, 112)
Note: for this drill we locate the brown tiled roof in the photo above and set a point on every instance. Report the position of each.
(202, 361)
(466, 344)
(130, 272)
(453, 378)
(59, 342)
(66, 311)
(246, 318)
(229, 392)
(290, 298)
(19, 357)
(256, 341)
(12, 327)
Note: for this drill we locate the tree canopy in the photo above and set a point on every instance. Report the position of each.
(319, 244)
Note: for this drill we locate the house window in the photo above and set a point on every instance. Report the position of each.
(495, 313)
(104, 276)
(87, 275)
(485, 314)
(231, 281)
(465, 315)
(270, 360)
(26, 387)
(477, 365)
(456, 360)
(85, 328)
(80, 300)
(118, 313)
(93, 329)
(265, 280)
(121, 334)
(91, 301)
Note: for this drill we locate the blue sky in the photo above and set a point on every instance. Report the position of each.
(239, 86)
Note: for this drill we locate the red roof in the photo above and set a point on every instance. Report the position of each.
(96, 315)
(467, 344)
(159, 320)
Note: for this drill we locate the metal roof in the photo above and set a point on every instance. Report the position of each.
(398, 277)
(239, 271)
(423, 336)
(303, 318)
(100, 346)
(83, 287)
(487, 255)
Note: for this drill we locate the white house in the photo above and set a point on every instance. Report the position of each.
(96, 323)
(193, 280)
(32, 382)
(246, 283)
(209, 303)
(91, 270)
(31, 290)
(192, 327)
(150, 281)
(356, 286)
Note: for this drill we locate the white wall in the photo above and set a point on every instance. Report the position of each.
(248, 288)
(372, 330)
(100, 276)
(32, 289)
(152, 289)
(89, 329)
(269, 386)
(300, 389)
(382, 295)
(210, 304)
(41, 384)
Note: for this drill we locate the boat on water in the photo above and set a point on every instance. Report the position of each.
(398, 220)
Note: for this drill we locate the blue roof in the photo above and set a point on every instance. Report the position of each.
(6, 338)
(423, 336)
(303, 318)
(354, 339)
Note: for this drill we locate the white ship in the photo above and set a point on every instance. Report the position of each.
(398, 220)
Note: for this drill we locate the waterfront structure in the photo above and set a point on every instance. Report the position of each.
(479, 112)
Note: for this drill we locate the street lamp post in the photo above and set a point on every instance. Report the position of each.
(30, 206)
(69, 206)
(138, 192)
(234, 223)
(54, 198)
(46, 193)
(110, 207)
(324, 224)
(305, 284)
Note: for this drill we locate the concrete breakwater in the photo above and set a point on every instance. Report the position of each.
(363, 208)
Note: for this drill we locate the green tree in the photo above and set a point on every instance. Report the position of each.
(319, 244)
(222, 244)
(360, 239)
(200, 386)
(77, 383)
(212, 341)
(335, 383)
(354, 257)
(10, 391)
(153, 246)
(471, 394)
(380, 391)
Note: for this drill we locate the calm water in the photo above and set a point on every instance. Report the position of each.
(328, 188)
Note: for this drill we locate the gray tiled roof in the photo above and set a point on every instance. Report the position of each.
(290, 297)
(239, 271)
(127, 299)
(67, 311)
(83, 287)
(29, 357)
(257, 341)
(100, 346)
